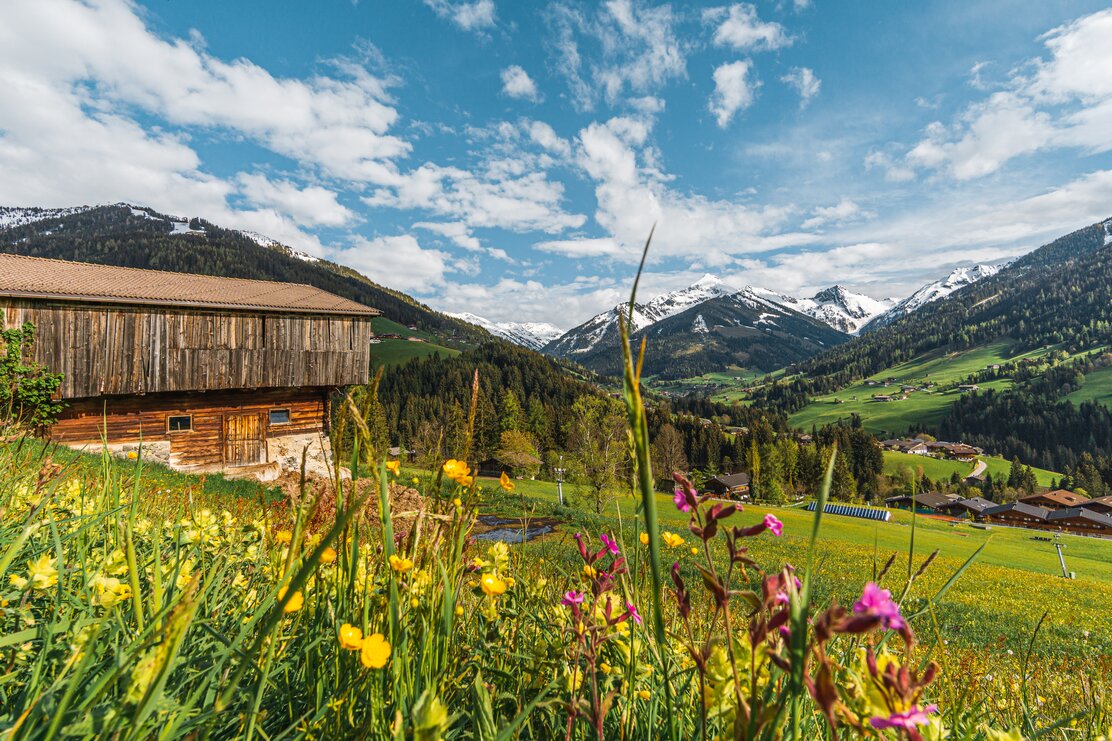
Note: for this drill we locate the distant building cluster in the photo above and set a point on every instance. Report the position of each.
(936, 448)
(1057, 510)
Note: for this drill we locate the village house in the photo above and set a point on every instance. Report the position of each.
(1081, 521)
(1016, 514)
(730, 486)
(1057, 499)
(1100, 505)
(972, 507)
(204, 373)
(911, 447)
(930, 502)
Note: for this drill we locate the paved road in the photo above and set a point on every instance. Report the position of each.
(978, 469)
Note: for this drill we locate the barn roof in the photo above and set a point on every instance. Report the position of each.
(62, 280)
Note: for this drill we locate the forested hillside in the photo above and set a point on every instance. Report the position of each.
(140, 238)
(1060, 295)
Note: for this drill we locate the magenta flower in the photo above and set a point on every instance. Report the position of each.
(681, 501)
(610, 544)
(877, 601)
(907, 720)
(633, 613)
(774, 525)
(572, 598)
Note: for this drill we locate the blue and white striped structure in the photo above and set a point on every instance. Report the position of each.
(850, 510)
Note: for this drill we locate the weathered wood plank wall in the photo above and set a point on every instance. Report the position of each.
(110, 349)
(134, 418)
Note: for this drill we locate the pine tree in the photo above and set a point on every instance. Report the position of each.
(843, 486)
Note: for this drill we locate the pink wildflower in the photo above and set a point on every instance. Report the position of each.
(681, 501)
(610, 543)
(907, 720)
(633, 613)
(774, 525)
(572, 598)
(877, 601)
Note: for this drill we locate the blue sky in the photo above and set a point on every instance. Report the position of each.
(508, 158)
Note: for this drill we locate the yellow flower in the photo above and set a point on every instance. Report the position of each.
(459, 472)
(644, 538)
(510, 582)
(589, 571)
(283, 536)
(414, 603)
(17, 581)
(109, 591)
(41, 572)
(400, 564)
(492, 585)
(694, 551)
(375, 651)
(132, 455)
(456, 502)
(671, 539)
(644, 695)
(604, 668)
(415, 480)
(505, 482)
(459, 610)
(328, 555)
(297, 599)
(351, 637)
(394, 467)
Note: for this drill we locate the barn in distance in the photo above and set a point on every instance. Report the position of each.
(207, 373)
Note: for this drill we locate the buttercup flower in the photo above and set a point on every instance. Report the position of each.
(283, 536)
(644, 538)
(400, 564)
(492, 585)
(505, 482)
(459, 472)
(328, 555)
(297, 599)
(877, 601)
(671, 539)
(375, 651)
(351, 637)
(394, 467)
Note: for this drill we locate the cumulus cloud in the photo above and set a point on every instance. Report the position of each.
(516, 83)
(622, 47)
(805, 82)
(531, 300)
(733, 90)
(310, 206)
(469, 16)
(845, 210)
(398, 261)
(738, 27)
(546, 136)
(1065, 102)
(456, 231)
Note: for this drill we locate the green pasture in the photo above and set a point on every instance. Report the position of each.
(940, 469)
(1097, 387)
(996, 604)
(400, 352)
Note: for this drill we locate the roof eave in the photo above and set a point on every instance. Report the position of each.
(78, 298)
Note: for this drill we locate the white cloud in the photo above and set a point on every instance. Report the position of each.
(894, 172)
(397, 261)
(623, 47)
(516, 83)
(546, 136)
(583, 247)
(804, 81)
(311, 206)
(516, 300)
(632, 194)
(456, 231)
(733, 90)
(1065, 102)
(470, 16)
(845, 210)
(740, 28)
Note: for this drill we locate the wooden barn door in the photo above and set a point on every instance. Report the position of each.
(244, 444)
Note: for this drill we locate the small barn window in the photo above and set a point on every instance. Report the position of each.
(179, 423)
(279, 416)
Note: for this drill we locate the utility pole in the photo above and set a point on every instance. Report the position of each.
(560, 471)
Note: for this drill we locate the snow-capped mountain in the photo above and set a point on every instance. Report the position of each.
(14, 216)
(533, 335)
(837, 307)
(958, 279)
(604, 327)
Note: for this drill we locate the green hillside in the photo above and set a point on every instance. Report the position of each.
(1098, 388)
(399, 352)
(939, 469)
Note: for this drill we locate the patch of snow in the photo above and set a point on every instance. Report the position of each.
(533, 335)
(837, 307)
(699, 325)
(1108, 232)
(14, 216)
(956, 280)
(182, 227)
(260, 239)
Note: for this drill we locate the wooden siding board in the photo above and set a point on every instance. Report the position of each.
(119, 350)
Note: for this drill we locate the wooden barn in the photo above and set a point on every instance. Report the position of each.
(209, 373)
